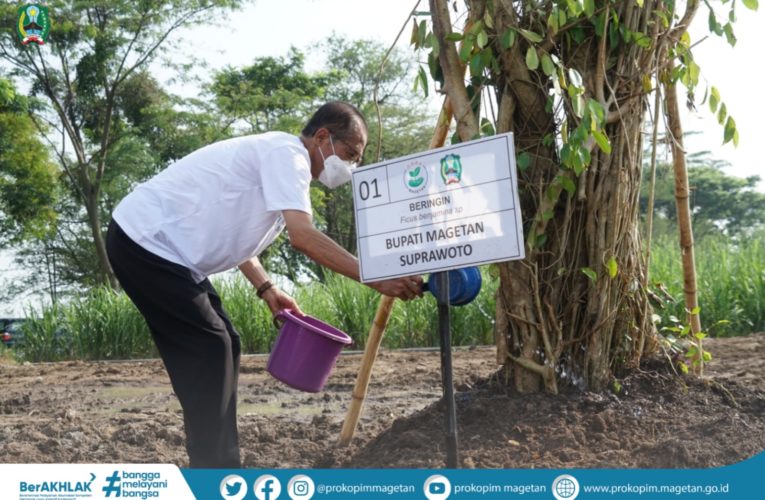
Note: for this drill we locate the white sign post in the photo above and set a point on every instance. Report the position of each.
(442, 209)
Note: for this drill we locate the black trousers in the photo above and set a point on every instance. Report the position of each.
(197, 342)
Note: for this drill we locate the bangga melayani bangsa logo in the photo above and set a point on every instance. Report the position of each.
(33, 24)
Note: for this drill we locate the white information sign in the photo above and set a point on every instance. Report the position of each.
(441, 209)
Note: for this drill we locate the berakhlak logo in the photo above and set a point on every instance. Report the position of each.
(233, 487)
(113, 486)
(33, 24)
(267, 487)
(415, 177)
(437, 487)
(565, 487)
(49, 487)
(451, 169)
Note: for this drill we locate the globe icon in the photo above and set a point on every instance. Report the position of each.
(565, 488)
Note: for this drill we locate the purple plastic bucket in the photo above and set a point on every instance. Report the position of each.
(305, 351)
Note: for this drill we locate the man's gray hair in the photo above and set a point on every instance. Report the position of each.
(336, 116)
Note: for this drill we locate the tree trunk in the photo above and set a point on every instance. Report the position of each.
(575, 311)
(106, 274)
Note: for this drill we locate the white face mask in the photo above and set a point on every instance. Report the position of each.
(336, 170)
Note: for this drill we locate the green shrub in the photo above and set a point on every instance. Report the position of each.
(249, 315)
(104, 324)
(730, 283)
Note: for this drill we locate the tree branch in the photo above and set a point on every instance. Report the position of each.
(375, 99)
(59, 154)
(44, 78)
(600, 67)
(454, 84)
(150, 52)
(691, 7)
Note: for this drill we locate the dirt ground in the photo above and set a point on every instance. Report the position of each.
(114, 412)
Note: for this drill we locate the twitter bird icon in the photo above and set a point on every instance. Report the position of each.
(233, 487)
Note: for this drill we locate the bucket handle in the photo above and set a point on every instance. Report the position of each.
(280, 318)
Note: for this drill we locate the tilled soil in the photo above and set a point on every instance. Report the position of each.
(115, 412)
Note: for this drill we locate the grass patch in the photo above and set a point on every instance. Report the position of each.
(730, 283)
(104, 324)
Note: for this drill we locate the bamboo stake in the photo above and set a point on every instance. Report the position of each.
(383, 314)
(684, 217)
(365, 372)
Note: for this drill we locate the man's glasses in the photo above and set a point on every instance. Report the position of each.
(356, 158)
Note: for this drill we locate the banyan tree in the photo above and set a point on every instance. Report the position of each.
(572, 79)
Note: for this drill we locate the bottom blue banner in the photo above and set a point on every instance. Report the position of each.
(742, 480)
(164, 481)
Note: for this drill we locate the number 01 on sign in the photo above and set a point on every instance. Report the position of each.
(442, 209)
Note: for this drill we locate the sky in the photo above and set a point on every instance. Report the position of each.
(271, 27)
(735, 71)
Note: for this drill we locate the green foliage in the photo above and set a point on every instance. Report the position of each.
(340, 301)
(584, 117)
(27, 175)
(42, 337)
(274, 93)
(686, 351)
(356, 69)
(730, 283)
(167, 127)
(351, 307)
(688, 71)
(101, 324)
(119, 119)
(104, 324)
(8, 356)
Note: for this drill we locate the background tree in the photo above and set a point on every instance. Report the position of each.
(27, 175)
(151, 128)
(720, 203)
(570, 80)
(158, 128)
(273, 93)
(28, 179)
(93, 50)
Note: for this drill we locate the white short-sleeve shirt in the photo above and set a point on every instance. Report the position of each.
(220, 205)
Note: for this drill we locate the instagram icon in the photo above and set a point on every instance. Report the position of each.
(301, 487)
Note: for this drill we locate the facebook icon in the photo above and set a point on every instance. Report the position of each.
(267, 487)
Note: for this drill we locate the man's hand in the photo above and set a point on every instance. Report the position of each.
(277, 300)
(406, 288)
